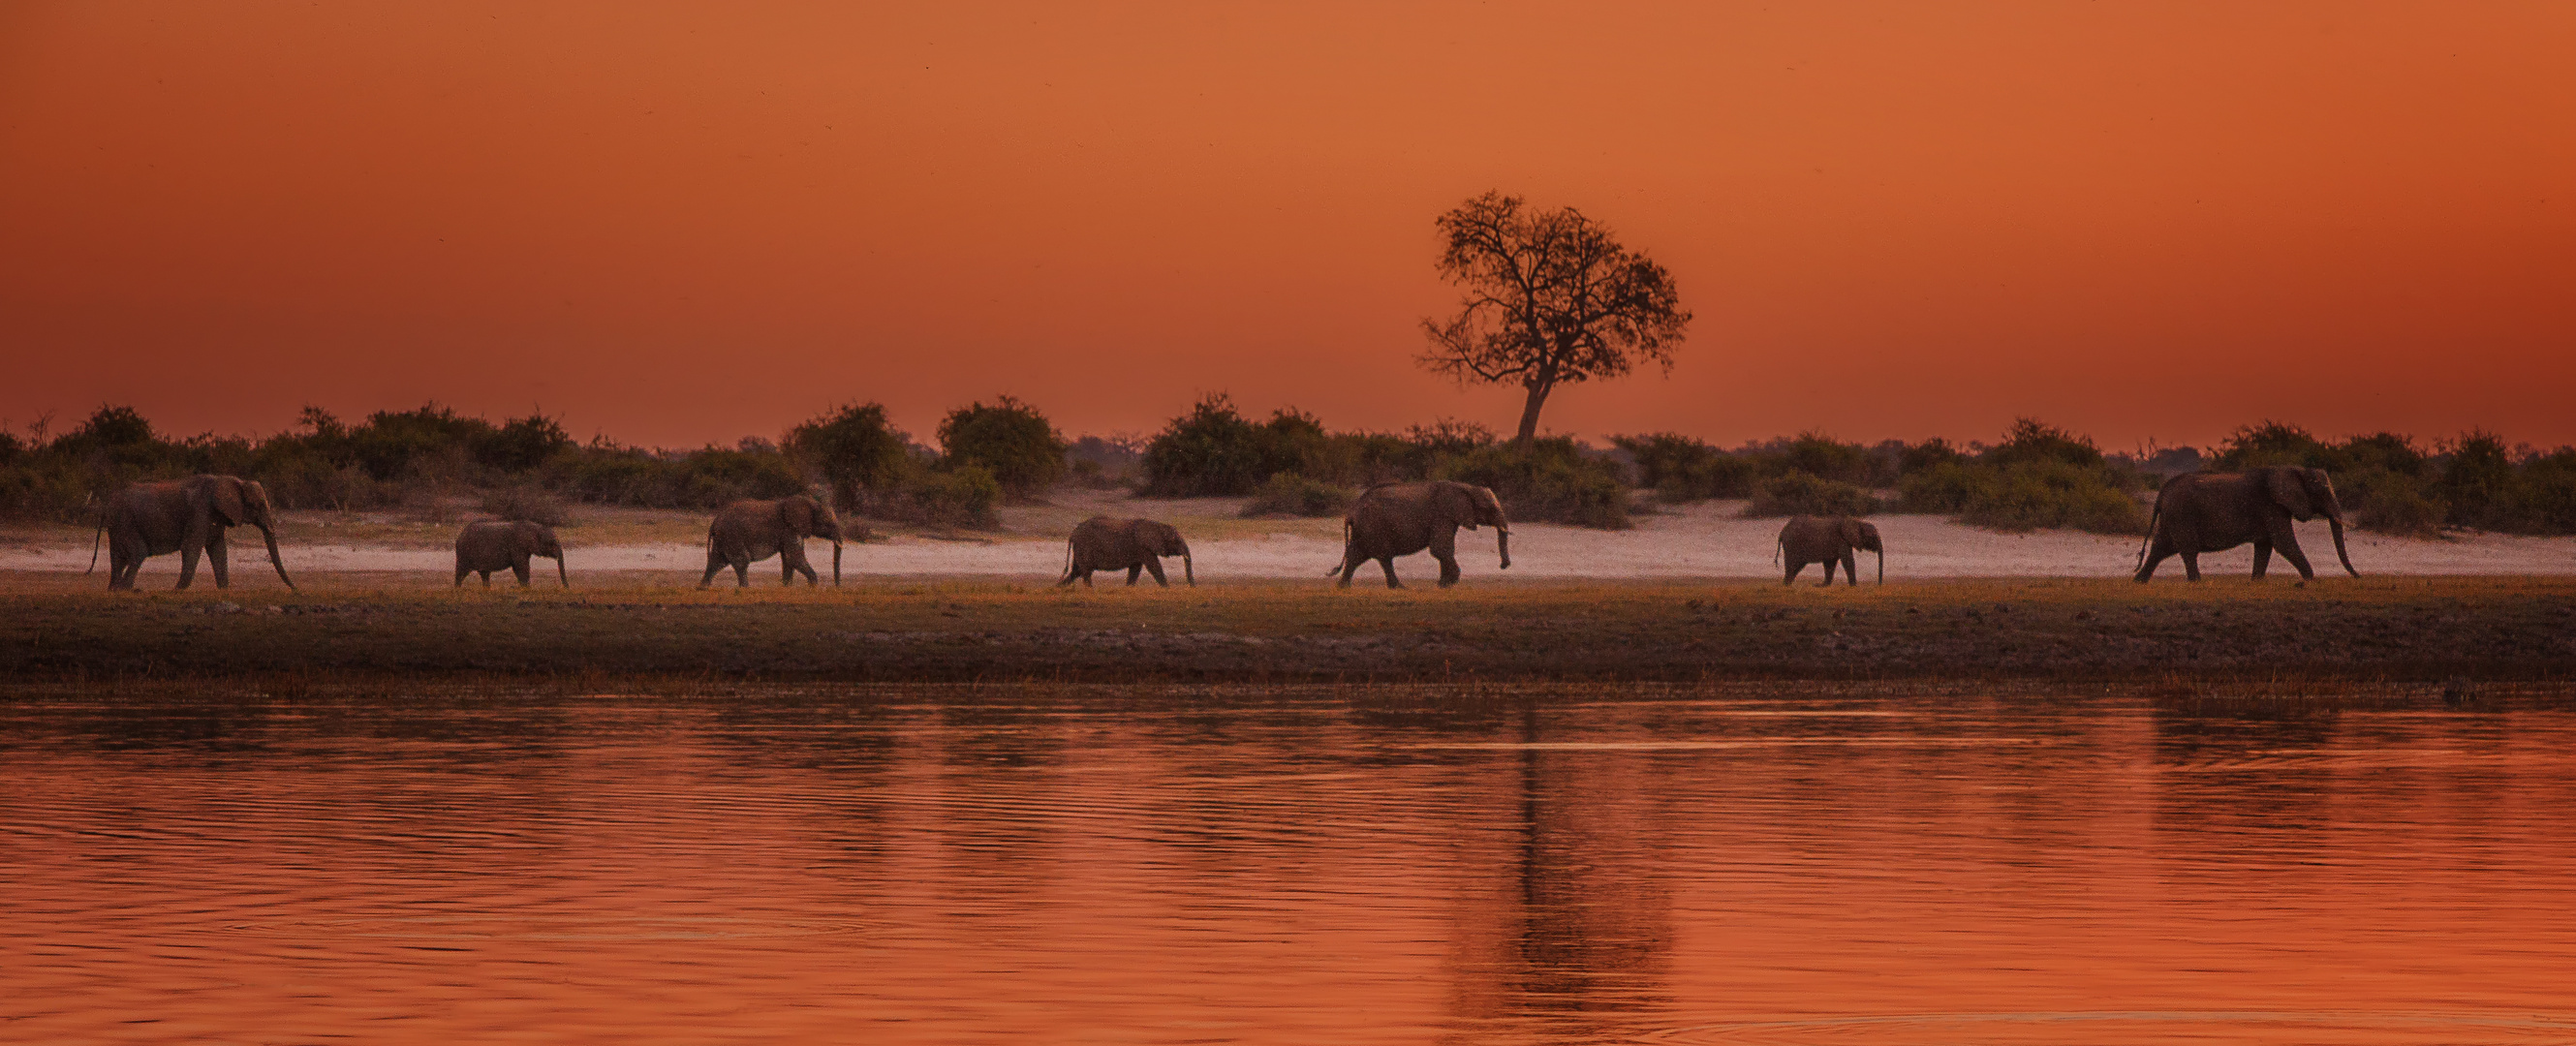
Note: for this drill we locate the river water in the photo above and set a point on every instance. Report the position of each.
(1190, 865)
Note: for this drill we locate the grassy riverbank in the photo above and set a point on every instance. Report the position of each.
(61, 626)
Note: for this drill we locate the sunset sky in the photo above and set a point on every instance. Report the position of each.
(677, 223)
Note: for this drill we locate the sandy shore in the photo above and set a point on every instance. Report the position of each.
(1697, 541)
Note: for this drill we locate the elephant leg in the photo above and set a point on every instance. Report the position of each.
(187, 565)
(2262, 558)
(714, 563)
(1829, 573)
(1851, 568)
(2156, 553)
(1086, 577)
(1388, 562)
(742, 574)
(1132, 573)
(2287, 541)
(798, 564)
(2191, 566)
(487, 579)
(1155, 566)
(218, 560)
(1448, 569)
(520, 569)
(1789, 573)
(1351, 561)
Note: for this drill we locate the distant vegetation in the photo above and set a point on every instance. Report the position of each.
(1288, 463)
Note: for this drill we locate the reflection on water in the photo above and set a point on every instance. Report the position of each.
(1192, 865)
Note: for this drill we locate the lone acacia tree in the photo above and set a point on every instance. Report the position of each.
(1551, 297)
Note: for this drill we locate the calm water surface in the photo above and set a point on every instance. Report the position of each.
(932, 865)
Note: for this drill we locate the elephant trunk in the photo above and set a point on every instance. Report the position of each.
(836, 561)
(1503, 545)
(1188, 573)
(2334, 521)
(561, 574)
(271, 536)
(1882, 565)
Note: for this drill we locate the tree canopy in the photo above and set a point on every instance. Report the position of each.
(1550, 297)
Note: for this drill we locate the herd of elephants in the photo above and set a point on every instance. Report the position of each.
(2194, 513)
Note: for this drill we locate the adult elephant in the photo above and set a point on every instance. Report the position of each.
(186, 516)
(1400, 519)
(1828, 540)
(2200, 512)
(482, 548)
(747, 532)
(1132, 545)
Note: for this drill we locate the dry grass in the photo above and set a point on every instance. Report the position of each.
(2230, 630)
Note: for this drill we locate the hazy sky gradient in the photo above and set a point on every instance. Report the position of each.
(676, 223)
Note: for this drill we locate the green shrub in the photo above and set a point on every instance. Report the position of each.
(855, 449)
(1290, 494)
(2391, 503)
(522, 444)
(2030, 441)
(528, 504)
(1009, 439)
(1550, 480)
(2548, 501)
(2479, 481)
(2268, 443)
(1803, 494)
(1212, 450)
(1949, 487)
(2030, 495)
(1682, 469)
(963, 496)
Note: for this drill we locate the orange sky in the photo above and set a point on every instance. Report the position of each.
(676, 224)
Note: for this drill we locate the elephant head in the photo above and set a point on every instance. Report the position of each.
(233, 502)
(1164, 539)
(540, 541)
(806, 516)
(1468, 505)
(2305, 494)
(1863, 535)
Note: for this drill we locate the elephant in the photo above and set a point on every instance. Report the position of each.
(482, 548)
(747, 532)
(2200, 512)
(1400, 519)
(1828, 540)
(186, 516)
(1132, 545)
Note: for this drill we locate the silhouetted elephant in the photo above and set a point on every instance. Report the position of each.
(2200, 512)
(1400, 519)
(747, 532)
(482, 548)
(186, 516)
(1132, 545)
(1828, 540)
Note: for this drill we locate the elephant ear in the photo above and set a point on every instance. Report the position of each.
(1850, 532)
(1455, 504)
(2289, 489)
(226, 498)
(798, 514)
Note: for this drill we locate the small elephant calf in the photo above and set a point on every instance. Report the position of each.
(1828, 540)
(1132, 545)
(496, 545)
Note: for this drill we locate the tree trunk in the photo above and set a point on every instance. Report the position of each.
(1538, 390)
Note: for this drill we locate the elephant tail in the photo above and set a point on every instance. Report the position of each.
(1346, 548)
(2155, 518)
